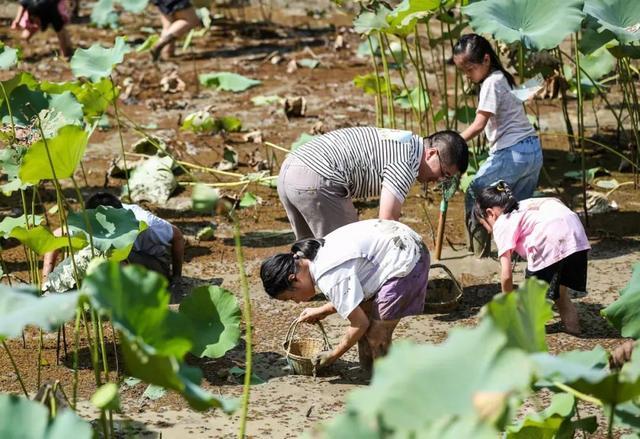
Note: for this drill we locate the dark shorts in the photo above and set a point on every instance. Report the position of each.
(150, 262)
(48, 14)
(570, 272)
(168, 7)
(403, 296)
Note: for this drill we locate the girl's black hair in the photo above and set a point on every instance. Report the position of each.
(275, 271)
(474, 47)
(497, 195)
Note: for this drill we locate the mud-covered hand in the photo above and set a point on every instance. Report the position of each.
(312, 315)
(323, 359)
(621, 354)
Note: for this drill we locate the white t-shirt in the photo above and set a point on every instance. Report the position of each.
(508, 124)
(357, 259)
(156, 239)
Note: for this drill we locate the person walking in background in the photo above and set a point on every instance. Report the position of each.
(178, 17)
(515, 155)
(34, 15)
(319, 180)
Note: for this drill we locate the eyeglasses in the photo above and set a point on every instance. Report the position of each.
(444, 175)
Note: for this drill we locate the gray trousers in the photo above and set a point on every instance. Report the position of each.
(315, 206)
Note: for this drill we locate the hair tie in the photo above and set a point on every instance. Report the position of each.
(297, 254)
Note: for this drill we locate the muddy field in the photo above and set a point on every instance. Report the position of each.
(286, 405)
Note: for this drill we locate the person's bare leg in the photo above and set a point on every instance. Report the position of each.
(375, 343)
(64, 41)
(568, 312)
(179, 24)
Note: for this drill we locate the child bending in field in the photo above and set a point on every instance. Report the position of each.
(515, 155)
(544, 232)
(178, 17)
(34, 15)
(373, 273)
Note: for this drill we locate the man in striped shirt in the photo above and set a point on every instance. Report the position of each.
(318, 181)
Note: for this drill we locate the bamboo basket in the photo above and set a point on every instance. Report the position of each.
(443, 294)
(299, 352)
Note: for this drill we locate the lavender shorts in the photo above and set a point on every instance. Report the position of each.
(403, 296)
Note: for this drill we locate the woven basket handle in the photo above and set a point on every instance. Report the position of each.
(446, 269)
(292, 330)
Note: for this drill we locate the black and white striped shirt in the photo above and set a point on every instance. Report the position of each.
(363, 159)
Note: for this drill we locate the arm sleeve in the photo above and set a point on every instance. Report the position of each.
(398, 177)
(345, 295)
(505, 233)
(488, 100)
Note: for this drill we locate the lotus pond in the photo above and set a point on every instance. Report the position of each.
(198, 141)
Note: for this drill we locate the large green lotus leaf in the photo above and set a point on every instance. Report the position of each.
(622, 17)
(522, 315)
(10, 162)
(137, 301)
(597, 64)
(25, 103)
(103, 14)
(537, 24)
(9, 223)
(66, 150)
(624, 313)
(553, 422)
(403, 18)
(416, 385)
(20, 307)
(8, 57)
(368, 22)
(97, 62)
(215, 315)
(227, 81)
(25, 419)
(23, 78)
(591, 39)
(41, 240)
(95, 97)
(111, 228)
(67, 104)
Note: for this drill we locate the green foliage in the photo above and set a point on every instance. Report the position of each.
(154, 339)
(404, 17)
(621, 17)
(95, 97)
(304, 138)
(522, 315)
(103, 14)
(9, 223)
(111, 228)
(215, 315)
(597, 64)
(465, 114)
(368, 22)
(227, 81)
(148, 43)
(25, 419)
(41, 240)
(259, 101)
(10, 161)
(204, 198)
(537, 24)
(21, 307)
(591, 173)
(370, 86)
(8, 57)
(624, 313)
(97, 62)
(66, 150)
(417, 99)
(106, 397)
(249, 200)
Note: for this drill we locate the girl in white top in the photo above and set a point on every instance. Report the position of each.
(515, 155)
(372, 272)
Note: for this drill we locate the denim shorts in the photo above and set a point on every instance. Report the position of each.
(518, 165)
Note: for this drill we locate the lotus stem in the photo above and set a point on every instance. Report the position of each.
(105, 364)
(6, 99)
(423, 71)
(445, 90)
(198, 167)
(94, 352)
(578, 394)
(15, 369)
(115, 348)
(379, 113)
(404, 83)
(387, 78)
(581, 131)
(115, 109)
(76, 345)
(246, 309)
(279, 148)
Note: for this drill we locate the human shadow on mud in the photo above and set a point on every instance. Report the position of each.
(474, 297)
(218, 372)
(611, 247)
(264, 239)
(592, 323)
(186, 284)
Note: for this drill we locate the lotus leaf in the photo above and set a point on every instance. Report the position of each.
(103, 14)
(215, 314)
(228, 81)
(62, 278)
(569, 366)
(154, 392)
(628, 414)
(25, 103)
(591, 39)
(198, 122)
(465, 114)
(9, 223)
(436, 382)
(416, 99)
(204, 198)
(97, 62)
(154, 339)
(153, 180)
(369, 85)
(624, 313)
(66, 150)
(25, 419)
(148, 43)
(229, 159)
(228, 124)
(597, 64)
(368, 22)
(66, 104)
(249, 200)
(41, 240)
(94, 97)
(111, 228)
(621, 17)
(523, 315)
(8, 57)
(537, 24)
(404, 17)
(135, 6)
(106, 397)
(21, 307)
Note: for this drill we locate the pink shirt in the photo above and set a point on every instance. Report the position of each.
(542, 230)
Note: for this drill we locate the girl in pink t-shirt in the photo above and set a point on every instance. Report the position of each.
(544, 232)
